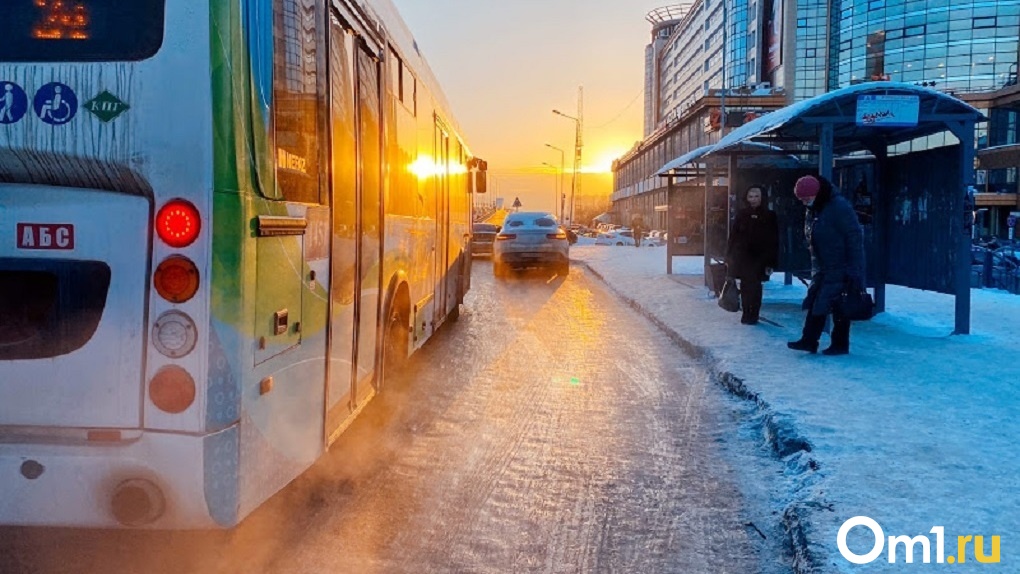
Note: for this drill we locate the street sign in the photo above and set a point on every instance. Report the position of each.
(1011, 221)
(887, 111)
(517, 202)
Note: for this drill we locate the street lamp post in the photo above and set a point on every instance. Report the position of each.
(562, 198)
(575, 183)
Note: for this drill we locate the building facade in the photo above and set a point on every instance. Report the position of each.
(724, 59)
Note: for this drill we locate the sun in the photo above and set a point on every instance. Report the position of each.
(602, 160)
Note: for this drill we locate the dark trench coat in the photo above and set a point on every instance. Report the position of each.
(753, 244)
(836, 241)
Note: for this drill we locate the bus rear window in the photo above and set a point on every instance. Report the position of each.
(80, 30)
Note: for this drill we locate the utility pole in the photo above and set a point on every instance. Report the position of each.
(575, 179)
(577, 149)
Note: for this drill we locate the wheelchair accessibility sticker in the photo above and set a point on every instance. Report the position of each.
(13, 103)
(55, 104)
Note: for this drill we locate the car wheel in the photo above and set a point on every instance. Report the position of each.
(498, 270)
(563, 269)
(619, 243)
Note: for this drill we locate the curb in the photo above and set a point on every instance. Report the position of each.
(778, 430)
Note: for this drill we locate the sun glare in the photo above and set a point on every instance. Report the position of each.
(602, 161)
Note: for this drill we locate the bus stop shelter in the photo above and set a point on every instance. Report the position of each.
(913, 204)
(702, 193)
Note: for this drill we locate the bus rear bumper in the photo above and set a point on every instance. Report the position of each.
(152, 480)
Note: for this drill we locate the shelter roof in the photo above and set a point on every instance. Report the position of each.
(750, 154)
(689, 157)
(801, 122)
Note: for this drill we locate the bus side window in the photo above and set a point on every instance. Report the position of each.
(297, 101)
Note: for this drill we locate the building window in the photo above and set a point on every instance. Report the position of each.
(987, 22)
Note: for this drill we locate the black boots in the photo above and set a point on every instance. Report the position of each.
(750, 301)
(749, 316)
(803, 345)
(840, 339)
(813, 326)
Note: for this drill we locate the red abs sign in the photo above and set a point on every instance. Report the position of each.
(45, 236)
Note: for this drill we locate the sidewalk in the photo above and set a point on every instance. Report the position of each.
(915, 428)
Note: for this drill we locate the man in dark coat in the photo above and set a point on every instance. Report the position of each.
(836, 241)
(637, 226)
(753, 251)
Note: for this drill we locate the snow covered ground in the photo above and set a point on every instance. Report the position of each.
(915, 429)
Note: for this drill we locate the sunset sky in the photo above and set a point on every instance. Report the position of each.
(504, 66)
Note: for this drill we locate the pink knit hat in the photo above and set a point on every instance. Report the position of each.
(806, 187)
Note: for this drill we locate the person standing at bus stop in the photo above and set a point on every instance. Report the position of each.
(836, 241)
(753, 251)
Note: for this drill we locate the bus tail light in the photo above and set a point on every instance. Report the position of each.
(172, 390)
(176, 279)
(137, 502)
(174, 334)
(178, 223)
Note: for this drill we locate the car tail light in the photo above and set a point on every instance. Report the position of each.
(178, 223)
(176, 279)
(172, 390)
(560, 235)
(505, 236)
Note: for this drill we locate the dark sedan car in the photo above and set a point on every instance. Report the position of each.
(531, 239)
(483, 235)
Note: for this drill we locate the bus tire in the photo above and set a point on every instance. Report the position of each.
(454, 313)
(397, 340)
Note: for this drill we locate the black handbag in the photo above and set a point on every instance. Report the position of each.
(857, 305)
(729, 297)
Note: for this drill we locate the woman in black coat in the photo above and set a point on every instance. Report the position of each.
(836, 241)
(753, 251)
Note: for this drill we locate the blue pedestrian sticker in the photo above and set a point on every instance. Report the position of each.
(13, 103)
(55, 104)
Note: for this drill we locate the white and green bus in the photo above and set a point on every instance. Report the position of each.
(220, 221)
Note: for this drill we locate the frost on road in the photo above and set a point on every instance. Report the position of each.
(550, 430)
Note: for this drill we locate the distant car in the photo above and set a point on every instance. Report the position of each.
(1003, 269)
(617, 237)
(483, 235)
(531, 239)
(1009, 253)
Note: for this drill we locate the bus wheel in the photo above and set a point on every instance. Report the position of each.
(395, 351)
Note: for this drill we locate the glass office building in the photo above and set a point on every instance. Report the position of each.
(957, 46)
(798, 49)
